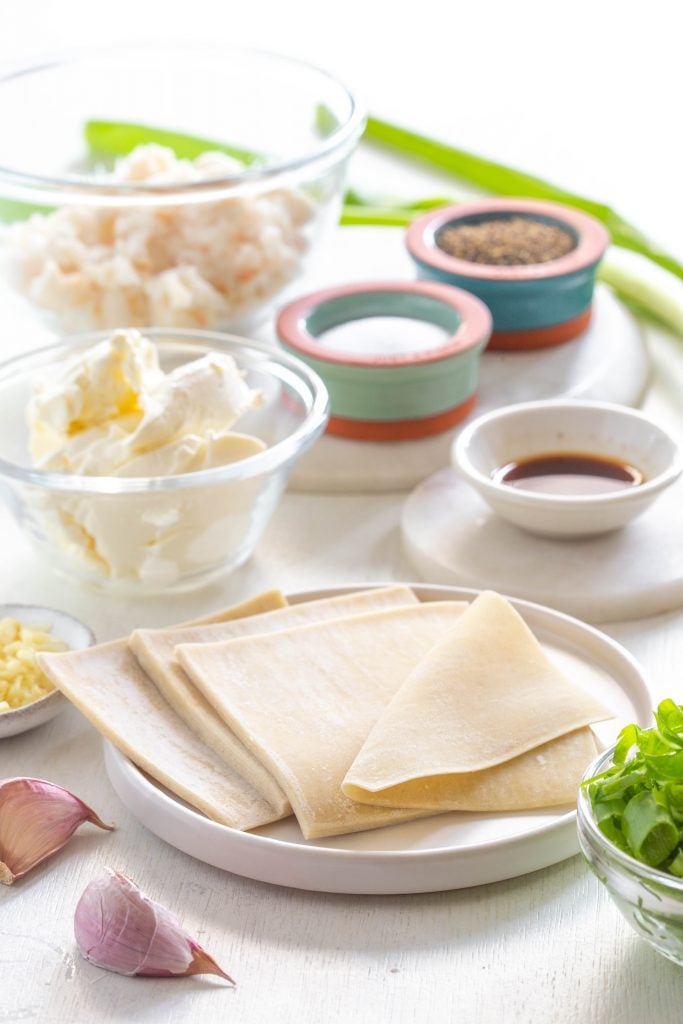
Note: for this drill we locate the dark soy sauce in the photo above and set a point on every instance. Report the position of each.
(569, 473)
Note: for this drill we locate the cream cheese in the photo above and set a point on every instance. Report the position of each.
(112, 411)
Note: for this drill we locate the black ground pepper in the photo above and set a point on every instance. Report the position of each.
(506, 241)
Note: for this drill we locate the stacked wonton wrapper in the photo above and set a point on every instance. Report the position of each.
(353, 712)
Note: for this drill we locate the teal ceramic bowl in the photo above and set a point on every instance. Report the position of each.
(383, 387)
(534, 305)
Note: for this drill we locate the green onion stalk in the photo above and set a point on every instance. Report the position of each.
(651, 285)
(644, 276)
(118, 138)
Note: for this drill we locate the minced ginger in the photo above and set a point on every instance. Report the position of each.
(21, 680)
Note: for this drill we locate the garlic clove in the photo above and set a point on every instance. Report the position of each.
(37, 818)
(120, 929)
(204, 963)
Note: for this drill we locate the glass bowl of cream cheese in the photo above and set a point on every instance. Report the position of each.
(167, 185)
(151, 462)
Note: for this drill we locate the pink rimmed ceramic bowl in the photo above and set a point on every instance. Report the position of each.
(408, 366)
(534, 305)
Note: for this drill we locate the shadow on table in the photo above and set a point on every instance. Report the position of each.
(372, 923)
(277, 921)
(639, 985)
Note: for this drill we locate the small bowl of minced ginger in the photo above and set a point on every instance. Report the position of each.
(27, 698)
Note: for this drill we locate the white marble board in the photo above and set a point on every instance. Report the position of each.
(451, 536)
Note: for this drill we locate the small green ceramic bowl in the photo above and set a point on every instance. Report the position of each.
(381, 389)
(534, 305)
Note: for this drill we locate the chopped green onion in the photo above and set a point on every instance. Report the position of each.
(649, 830)
(674, 799)
(637, 802)
(620, 783)
(669, 719)
(628, 738)
(608, 815)
(665, 767)
(676, 865)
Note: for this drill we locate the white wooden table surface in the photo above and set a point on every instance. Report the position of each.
(588, 103)
(546, 947)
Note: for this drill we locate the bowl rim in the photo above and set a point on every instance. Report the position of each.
(86, 189)
(592, 240)
(14, 608)
(254, 465)
(473, 330)
(516, 496)
(586, 821)
(25, 709)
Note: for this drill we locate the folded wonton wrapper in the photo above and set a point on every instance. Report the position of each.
(170, 730)
(484, 722)
(303, 700)
(155, 652)
(108, 686)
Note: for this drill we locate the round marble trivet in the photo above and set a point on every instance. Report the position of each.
(452, 537)
(608, 363)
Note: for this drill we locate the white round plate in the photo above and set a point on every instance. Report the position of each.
(450, 535)
(608, 362)
(447, 851)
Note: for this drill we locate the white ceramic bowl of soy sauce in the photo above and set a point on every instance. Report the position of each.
(567, 468)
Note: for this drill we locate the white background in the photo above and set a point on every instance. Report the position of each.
(586, 94)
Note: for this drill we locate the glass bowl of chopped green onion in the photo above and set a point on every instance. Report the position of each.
(630, 824)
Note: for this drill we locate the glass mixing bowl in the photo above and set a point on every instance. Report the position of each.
(94, 238)
(649, 899)
(166, 533)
